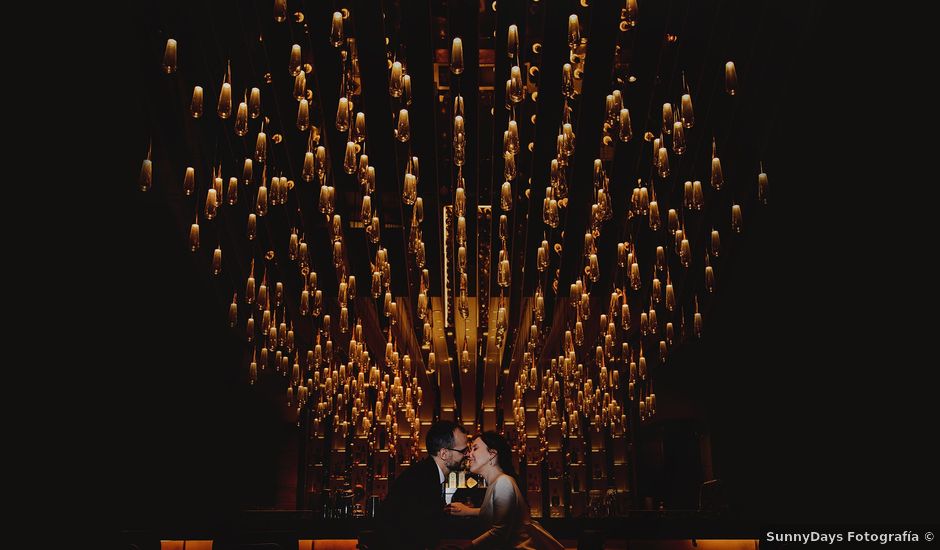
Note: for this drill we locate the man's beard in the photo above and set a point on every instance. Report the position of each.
(456, 466)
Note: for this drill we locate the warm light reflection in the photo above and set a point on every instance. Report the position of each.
(762, 186)
(303, 115)
(169, 57)
(241, 119)
(195, 106)
(404, 128)
(574, 31)
(378, 401)
(194, 237)
(731, 78)
(336, 30)
(456, 57)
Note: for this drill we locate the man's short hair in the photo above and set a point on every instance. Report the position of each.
(441, 436)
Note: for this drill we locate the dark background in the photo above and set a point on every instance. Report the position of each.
(811, 376)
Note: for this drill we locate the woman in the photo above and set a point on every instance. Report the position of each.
(504, 512)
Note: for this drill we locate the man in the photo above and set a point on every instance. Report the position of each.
(411, 514)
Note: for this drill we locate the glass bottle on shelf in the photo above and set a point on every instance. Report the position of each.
(556, 510)
(327, 503)
(344, 501)
(610, 504)
(595, 507)
(372, 505)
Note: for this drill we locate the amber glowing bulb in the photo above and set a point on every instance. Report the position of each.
(224, 108)
(404, 128)
(194, 236)
(336, 30)
(736, 218)
(512, 43)
(456, 57)
(169, 57)
(717, 178)
(574, 31)
(195, 106)
(626, 130)
(762, 185)
(731, 78)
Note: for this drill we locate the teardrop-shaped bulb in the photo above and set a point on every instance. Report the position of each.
(736, 218)
(678, 138)
(509, 166)
(359, 128)
(685, 111)
(731, 78)
(505, 197)
(252, 227)
(663, 163)
(241, 119)
(456, 57)
(261, 147)
(349, 159)
(189, 181)
(574, 31)
(512, 41)
(303, 115)
(195, 106)
(336, 30)
(626, 129)
(343, 113)
(395, 80)
(224, 109)
(667, 119)
(194, 237)
(232, 193)
(516, 87)
(169, 57)
(261, 203)
(404, 127)
(763, 186)
(409, 189)
(212, 204)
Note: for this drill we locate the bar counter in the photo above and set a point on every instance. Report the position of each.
(293, 530)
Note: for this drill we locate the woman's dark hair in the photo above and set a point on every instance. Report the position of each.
(499, 444)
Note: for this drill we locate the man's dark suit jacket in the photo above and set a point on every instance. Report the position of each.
(412, 513)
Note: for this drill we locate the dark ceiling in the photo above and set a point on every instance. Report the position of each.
(674, 43)
(728, 373)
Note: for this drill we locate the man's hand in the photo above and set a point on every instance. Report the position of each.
(459, 509)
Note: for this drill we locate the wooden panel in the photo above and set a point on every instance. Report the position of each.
(443, 359)
(489, 418)
(556, 498)
(468, 381)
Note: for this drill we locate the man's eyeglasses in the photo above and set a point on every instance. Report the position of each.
(461, 451)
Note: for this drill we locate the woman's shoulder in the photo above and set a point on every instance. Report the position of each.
(504, 481)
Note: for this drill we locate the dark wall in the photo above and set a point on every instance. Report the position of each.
(811, 379)
(807, 380)
(196, 441)
(193, 442)
(671, 465)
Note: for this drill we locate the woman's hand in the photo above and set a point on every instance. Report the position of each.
(460, 509)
